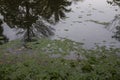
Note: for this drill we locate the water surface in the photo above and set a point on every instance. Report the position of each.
(89, 21)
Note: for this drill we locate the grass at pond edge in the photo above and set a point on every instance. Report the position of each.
(34, 63)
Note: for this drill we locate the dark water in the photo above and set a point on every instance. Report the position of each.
(88, 21)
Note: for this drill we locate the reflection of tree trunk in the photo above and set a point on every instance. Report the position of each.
(27, 20)
(28, 34)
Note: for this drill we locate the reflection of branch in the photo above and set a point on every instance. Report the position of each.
(98, 22)
(114, 23)
(114, 2)
(75, 1)
(41, 28)
(117, 2)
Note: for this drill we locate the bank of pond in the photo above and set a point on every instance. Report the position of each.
(58, 60)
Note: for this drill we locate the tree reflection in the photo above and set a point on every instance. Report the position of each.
(75, 1)
(114, 2)
(55, 9)
(3, 39)
(30, 15)
(114, 26)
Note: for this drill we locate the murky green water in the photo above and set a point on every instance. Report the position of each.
(89, 21)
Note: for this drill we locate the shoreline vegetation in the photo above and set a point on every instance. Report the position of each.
(58, 60)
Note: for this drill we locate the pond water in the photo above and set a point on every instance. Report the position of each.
(90, 22)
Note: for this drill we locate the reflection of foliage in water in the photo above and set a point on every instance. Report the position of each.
(25, 13)
(117, 33)
(114, 2)
(55, 9)
(75, 1)
(114, 26)
(39, 29)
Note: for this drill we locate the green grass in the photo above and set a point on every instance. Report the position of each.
(97, 64)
